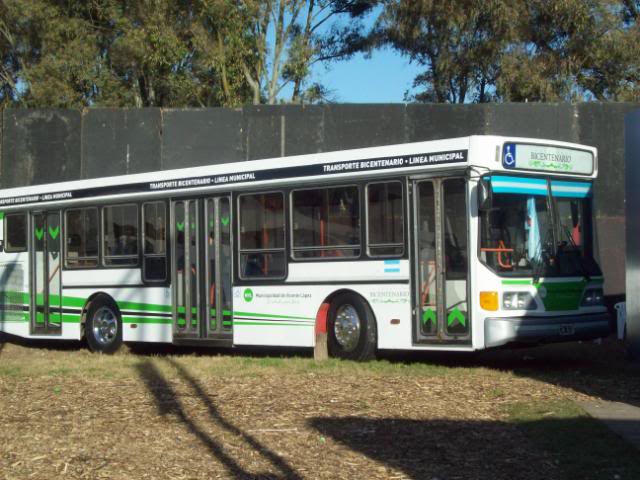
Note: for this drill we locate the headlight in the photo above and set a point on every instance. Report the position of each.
(592, 297)
(518, 301)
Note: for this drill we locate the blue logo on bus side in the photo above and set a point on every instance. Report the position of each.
(509, 155)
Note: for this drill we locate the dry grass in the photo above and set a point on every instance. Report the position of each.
(183, 414)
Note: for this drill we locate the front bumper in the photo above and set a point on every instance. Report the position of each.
(566, 328)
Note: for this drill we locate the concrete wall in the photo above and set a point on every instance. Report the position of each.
(39, 146)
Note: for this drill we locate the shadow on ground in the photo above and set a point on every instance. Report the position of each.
(459, 449)
(168, 402)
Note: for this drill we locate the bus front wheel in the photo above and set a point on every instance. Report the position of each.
(351, 329)
(103, 328)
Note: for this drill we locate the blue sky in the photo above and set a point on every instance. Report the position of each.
(383, 78)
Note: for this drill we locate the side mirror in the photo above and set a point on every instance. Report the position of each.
(485, 195)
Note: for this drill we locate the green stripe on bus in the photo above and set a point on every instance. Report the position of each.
(146, 307)
(1, 215)
(13, 297)
(146, 320)
(517, 282)
(267, 315)
(70, 318)
(265, 324)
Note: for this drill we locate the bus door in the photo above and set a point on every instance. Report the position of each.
(46, 286)
(441, 261)
(201, 271)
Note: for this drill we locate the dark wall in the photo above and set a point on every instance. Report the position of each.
(42, 146)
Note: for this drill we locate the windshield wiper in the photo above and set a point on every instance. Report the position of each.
(539, 266)
(583, 268)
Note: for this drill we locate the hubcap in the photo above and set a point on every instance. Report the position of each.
(347, 327)
(105, 326)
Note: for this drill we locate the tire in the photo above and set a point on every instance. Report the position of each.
(103, 328)
(351, 330)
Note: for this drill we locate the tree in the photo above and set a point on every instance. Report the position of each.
(574, 50)
(290, 36)
(460, 44)
(142, 53)
(506, 50)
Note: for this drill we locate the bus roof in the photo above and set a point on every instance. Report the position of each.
(483, 151)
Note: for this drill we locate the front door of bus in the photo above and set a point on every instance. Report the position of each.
(46, 294)
(440, 252)
(201, 239)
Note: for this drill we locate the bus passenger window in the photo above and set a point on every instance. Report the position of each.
(262, 239)
(120, 235)
(15, 232)
(81, 237)
(326, 223)
(385, 232)
(155, 241)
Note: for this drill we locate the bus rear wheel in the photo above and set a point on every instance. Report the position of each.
(103, 328)
(351, 328)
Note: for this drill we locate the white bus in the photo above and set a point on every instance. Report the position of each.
(458, 244)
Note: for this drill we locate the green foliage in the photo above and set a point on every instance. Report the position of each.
(303, 32)
(111, 53)
(199, 53)
(507, 50)
(170, 53)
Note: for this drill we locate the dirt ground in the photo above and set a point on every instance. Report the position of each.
(184, 414)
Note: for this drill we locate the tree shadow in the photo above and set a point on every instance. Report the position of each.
(480, 449)
(168, 402)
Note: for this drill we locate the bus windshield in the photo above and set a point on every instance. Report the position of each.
(534, 230)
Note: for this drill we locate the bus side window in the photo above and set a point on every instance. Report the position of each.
(154, 218)
(326, 222)
(120, 235)
(262, 238)
(385, 219)
(15, 232)
(81, 234)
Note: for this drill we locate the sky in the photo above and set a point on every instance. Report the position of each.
(383, 78)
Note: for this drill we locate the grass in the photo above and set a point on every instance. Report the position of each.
(443, 398)
(42, 362)
(582, 447)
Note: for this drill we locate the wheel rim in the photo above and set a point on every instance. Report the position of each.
(347, 327)
(105, 326)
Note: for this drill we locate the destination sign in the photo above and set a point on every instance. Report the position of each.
(546, 158)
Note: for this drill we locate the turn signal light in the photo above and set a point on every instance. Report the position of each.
(489, 301)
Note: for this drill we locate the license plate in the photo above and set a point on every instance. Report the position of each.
(567, 330)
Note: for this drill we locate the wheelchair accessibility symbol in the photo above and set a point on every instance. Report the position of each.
(509, 157)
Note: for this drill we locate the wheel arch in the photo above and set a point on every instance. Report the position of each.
(87, 304)
(322, 313)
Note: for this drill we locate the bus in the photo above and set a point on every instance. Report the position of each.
(458, 245)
